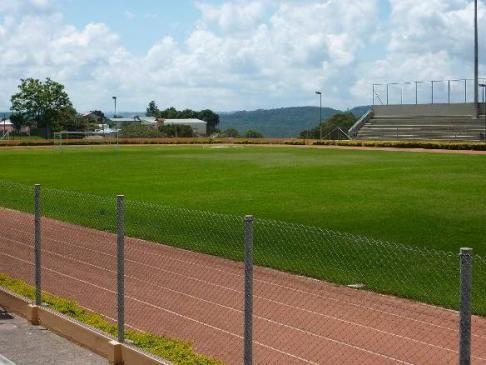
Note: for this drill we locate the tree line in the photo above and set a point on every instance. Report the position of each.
(207, 115)
(45, 105)
(331, 128)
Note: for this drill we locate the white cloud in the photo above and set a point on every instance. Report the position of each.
(233, 16)
(429, 40)
(242, 54)
(129, 14)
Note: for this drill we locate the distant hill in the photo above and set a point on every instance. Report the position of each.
(283, 122)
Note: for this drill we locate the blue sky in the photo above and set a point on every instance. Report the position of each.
(232, 54)
(140, 23)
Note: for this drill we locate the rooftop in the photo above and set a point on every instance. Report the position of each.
(184, 121)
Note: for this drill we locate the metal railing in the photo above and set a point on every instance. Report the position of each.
(424, 92)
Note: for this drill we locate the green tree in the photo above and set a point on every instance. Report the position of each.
(231, 133)
(253, 134)
(138, 130)
(209, 117)
(18, 121)
(330, 128)
(170, 113)
(71, 121)
(98, 116)
(152, 110)
(176, 130)
(44, 104)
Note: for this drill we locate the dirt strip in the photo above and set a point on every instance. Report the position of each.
(199, 298)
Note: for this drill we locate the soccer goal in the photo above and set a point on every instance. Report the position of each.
(64, 137)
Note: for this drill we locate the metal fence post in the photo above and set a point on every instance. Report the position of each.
(37, 244)
(248, 325)
(448, 91)
(120, 254)
(432, 83)
(465, 307)
(416, 92)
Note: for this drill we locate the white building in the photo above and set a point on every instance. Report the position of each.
(124, 121)
(199, 127)
(148, 120)
(6, 126)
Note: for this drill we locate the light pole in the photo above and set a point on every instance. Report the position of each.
(114, 99)
(476, 61)
(320, 113)
(483, 86)
(117, 129)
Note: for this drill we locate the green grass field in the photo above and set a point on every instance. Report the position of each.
(424, 200)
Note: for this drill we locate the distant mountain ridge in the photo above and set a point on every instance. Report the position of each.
(282, 122)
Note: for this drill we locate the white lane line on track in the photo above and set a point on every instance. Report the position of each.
(341, 301)
(255, 316)
(164, 309)
(231, 308)
(70, 226)
(358, 306)
(225, 331)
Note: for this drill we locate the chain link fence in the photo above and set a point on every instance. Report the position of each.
(245, 290)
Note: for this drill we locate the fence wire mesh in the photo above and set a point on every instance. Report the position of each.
(319, 322)
(78, 260)
(182, 294)
(319, 296)
(17, 231)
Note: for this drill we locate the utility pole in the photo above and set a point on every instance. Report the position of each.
(115, 116)
(476, 62)
(320, 113)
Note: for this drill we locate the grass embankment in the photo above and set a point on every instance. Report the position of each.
(176, 351)
(432, 203)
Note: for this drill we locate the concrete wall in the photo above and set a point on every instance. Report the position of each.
(410, 110)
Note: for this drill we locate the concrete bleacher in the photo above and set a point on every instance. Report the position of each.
(421, 122)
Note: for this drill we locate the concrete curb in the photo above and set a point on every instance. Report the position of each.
(101, 344)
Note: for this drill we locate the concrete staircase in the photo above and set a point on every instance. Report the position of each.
(423, 122)
(422, 128)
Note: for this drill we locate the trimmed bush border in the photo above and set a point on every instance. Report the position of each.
(445, 145)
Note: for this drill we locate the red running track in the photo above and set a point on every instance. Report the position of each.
(199, 298)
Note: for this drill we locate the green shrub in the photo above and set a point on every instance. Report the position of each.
(138, 131)
(176, 351)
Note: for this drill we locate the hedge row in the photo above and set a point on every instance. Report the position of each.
(465, 145)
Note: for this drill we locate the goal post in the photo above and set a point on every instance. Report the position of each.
(64, 137)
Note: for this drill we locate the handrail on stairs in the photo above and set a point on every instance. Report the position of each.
(353, 131)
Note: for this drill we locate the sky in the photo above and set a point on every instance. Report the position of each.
(231, 55)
